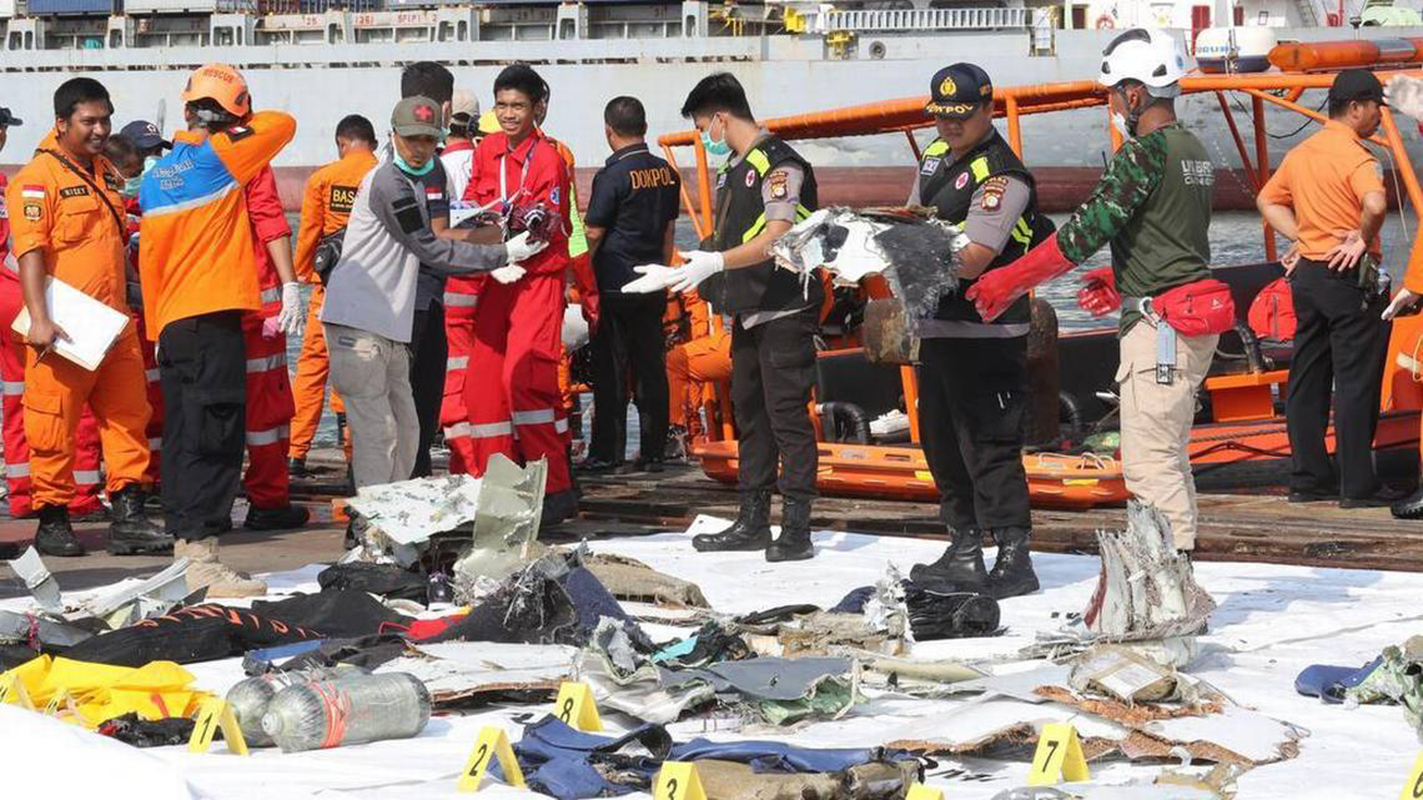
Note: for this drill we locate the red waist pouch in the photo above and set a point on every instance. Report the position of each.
(1199, 308)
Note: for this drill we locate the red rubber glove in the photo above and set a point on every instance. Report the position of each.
(1098, 294)
(997, 289)
(587, 284)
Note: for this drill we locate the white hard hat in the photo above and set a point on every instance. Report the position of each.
(1148, 55)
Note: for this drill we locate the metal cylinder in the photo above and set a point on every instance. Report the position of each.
(1043, 381)
(332, 713)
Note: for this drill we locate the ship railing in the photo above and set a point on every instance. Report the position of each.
(924, 19)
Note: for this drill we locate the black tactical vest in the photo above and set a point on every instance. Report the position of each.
(949, 186)
(740, 216)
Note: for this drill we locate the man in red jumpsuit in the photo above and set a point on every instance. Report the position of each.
(518, 327)
(12, 372)
(270, 405)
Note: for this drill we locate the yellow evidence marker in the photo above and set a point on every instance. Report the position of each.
(678, 780)
(12, 690)
(575, 706)
(492, 743)
(215, 713)
(1058, 757)
(921, 792)
(1413, 787)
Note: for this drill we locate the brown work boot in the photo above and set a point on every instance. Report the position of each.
(206, 572)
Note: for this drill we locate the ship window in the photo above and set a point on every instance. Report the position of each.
(689, 27)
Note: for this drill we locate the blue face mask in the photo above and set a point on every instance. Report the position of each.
(131, 186)
(409, 170)
(713, 147)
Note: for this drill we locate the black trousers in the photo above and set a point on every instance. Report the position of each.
(1340, 343)
(202, 366)
(429, 349)
(629, 337)
(972, 399)
(772, 373)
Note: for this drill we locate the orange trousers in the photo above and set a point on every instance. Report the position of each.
(313, 370)
(690, 367)
(56, 390)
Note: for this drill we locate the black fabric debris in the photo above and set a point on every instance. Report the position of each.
(386, 580)
(367, 652)
(202, 633)
(941, 614)
(338, 613)
(777, 614)
(130, 729)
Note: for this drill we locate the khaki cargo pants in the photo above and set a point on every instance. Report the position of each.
(1156, 425)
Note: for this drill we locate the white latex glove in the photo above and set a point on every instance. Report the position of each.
(655, 278)
(507, 273)
(700, 266)
(290, 320)
(1400, 302)
(1404, 93)
(521, 249)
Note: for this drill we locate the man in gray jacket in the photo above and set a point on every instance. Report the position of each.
(370, 299)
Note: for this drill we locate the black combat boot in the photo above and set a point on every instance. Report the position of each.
(750, 531)
(794, 542)
(282, 518)
(132, 532)
(1012, 574)
(1410, 507)
(296, 468)
(55, 537)
(961, 565)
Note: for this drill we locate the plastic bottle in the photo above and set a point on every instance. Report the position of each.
(349, 710)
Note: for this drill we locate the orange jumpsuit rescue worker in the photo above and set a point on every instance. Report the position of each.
(12, 373)
(196, 264)
(70, 225)
(325, 210)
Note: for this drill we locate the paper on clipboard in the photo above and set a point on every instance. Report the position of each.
(92, 326)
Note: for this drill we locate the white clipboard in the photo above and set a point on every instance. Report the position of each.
(93, 327)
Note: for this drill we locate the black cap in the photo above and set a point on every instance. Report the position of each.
(957, 91)
(1356, 84)
(144, 135)
(7, 119)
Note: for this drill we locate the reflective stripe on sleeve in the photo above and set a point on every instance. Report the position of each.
(456, 362)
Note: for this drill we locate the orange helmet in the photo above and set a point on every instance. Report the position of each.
(222, 84)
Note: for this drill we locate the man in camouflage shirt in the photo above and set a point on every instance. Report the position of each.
(1153, 206)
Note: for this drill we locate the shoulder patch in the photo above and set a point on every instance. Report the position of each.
(750, 178)
(777, 182)
(74, 191)
(930, 165)
(34, 212)
(111, 180)
(961, 181)
(993, 189)
(239, 133)
(553, 195)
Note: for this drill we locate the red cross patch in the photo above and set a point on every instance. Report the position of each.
(962, 180)
(424, 113)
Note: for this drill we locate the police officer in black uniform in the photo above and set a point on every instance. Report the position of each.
(630, 219)
(764, 188)
(972, 374)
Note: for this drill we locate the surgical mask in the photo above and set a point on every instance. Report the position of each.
(713, 147)
(409, 170)
(131, 186)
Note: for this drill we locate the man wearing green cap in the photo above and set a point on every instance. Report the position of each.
(973, 374)
(370, 300)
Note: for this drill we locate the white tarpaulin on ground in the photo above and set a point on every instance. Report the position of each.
(1272, 621)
